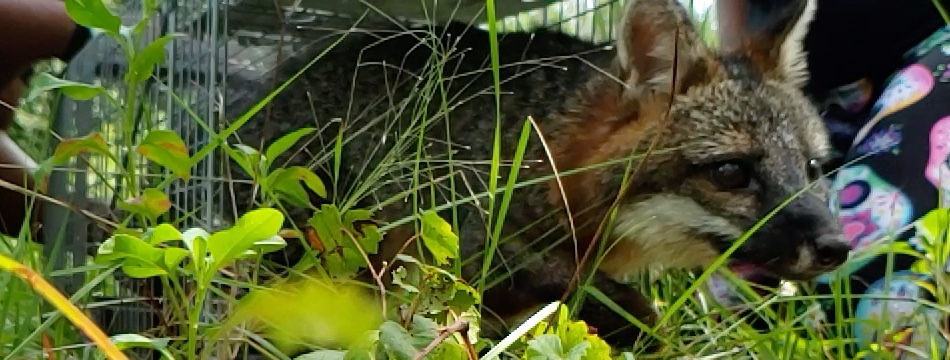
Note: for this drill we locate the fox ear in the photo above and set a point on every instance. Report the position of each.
(774, 36)
(651, 35)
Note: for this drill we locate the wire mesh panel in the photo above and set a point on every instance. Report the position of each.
(591, 20)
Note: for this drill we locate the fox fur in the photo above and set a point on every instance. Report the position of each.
(730, 136)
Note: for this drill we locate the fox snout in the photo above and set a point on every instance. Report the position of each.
(831, 250)
(801, 241)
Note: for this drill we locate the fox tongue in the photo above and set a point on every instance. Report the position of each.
(746, 270)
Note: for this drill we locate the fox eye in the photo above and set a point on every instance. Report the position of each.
(731, 175)
(814, 170)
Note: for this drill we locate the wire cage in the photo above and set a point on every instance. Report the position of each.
(226, 42)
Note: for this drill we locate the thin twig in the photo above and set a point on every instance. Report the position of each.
(460, 326)
(469, 348)
(405, 245)
(369, 265)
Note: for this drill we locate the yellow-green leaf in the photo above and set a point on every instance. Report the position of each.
(138, 258)
(151, 204)
(144, 64)
(69, 148)
(286, 183)
(44, 82)
(284, 143)
(166, 148)
(438, 237)
(94, 14)
(163, 233)
(255, 226)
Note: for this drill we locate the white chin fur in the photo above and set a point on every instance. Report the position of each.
(652, 234)
(806, 259)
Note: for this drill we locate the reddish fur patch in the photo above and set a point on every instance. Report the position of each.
(763, 56)
(606, 129)
(395, 239)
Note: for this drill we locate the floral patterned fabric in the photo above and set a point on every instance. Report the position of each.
(895, 170)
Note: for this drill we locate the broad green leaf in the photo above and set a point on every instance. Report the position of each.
(579, 351)
(138, 258)
(346, 262)
(141, 271)
(286, 183)
(339, 234)
(248, 158)
(328, 224)
(144, 62)
(124, 246)
(265, 246)
(545, 347)
(340, 256)
(196, 241)
(361, 222)
(163, 233)
(166, 148)
(261, 223)
(174, 256)
(423, 330)
(311, 312)
(151, 204)
(254, 226)
(44, 82)
(397, 341)
(93, 13)
(567, 339)
(69, 148)
(281, 145)
(438, 237)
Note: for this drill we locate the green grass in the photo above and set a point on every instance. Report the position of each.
(704, 330)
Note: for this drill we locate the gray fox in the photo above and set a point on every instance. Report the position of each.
(684, 159)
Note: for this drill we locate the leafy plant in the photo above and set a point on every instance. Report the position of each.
(153, 254)
(283, 183)
(343, 240)
(567, 339)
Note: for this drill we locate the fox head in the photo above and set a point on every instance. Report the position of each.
(733, 137)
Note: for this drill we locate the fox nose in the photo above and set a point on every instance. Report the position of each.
(832, 250)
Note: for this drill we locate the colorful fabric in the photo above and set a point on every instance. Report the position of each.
(895, 170)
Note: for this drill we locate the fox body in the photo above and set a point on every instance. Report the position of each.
(703, 144)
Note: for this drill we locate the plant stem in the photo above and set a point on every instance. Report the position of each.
(195, 314)
(128, 129)
(460, 326)
(55, 297)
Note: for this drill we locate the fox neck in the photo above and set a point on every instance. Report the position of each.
(653, 234)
